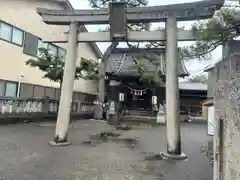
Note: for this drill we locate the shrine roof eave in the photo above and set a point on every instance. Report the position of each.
(138, 50)
(132, 77)
(121, 61)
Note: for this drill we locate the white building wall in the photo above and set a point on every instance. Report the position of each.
(22, 14)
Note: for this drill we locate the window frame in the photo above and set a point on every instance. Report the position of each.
(23, 36)
(40, 40)
(12, 27)
(11, 82)
(36, 55)
(2, 22)
(47, 46)
(4, 87)
(55, 46)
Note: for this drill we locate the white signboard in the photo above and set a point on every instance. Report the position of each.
(211, 120)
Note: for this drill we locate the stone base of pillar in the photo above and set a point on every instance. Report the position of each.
(161, 118)
(53, 143)
(113, 119)
(166, 155)
(98, 113)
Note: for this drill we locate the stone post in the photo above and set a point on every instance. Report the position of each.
(46, 105)
(172, 92)
(67, 87)
(113, 107)
(154, 106)
(101, 84)
(101, 92)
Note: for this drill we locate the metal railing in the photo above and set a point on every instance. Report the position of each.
(45, 107)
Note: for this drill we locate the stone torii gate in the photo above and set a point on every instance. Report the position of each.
(167, 13)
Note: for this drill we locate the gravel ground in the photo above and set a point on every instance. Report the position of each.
(26, 155)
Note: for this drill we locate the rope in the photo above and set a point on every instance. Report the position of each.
(138, 92)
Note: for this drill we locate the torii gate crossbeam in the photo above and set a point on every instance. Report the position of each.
(133, 36)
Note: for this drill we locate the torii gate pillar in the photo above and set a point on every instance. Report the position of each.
(67, 87)
(172, 92)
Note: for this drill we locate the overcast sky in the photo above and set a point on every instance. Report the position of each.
(194, 66)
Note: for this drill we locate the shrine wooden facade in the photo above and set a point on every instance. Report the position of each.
(137, 94)
(139, 97)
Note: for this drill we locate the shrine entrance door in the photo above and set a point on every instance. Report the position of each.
(139, 99)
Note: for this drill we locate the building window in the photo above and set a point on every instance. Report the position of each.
(2, 88)
(5, 31)
(38, 92)
(57, 94)
(53, 50)
(62, 53)
(11, 34)
(41, 44)
(11, 89)
(30, 45)
(17, 36)
(26, 90)
(50, 92)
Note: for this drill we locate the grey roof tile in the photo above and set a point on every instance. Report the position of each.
(121, 63)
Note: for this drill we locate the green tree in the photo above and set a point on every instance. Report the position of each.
(88, 69)
(214, 32)
(53, 67)
(147, 74)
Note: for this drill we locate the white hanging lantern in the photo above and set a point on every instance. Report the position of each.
(121, 97)
(154, 100)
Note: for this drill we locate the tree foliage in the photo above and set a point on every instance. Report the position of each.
(148, 67)
(211, 33)
(53, 66)
(104, 3)
(88, 69)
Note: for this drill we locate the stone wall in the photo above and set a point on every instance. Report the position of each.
(227, 107)
(211, 81)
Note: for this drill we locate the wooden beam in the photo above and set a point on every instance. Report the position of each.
(183, 12)
(133, 36)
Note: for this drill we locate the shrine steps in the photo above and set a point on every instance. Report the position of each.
(143, 118)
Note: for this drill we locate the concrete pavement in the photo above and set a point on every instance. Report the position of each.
(26, 155)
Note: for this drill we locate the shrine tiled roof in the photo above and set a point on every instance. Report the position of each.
(121, 63)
